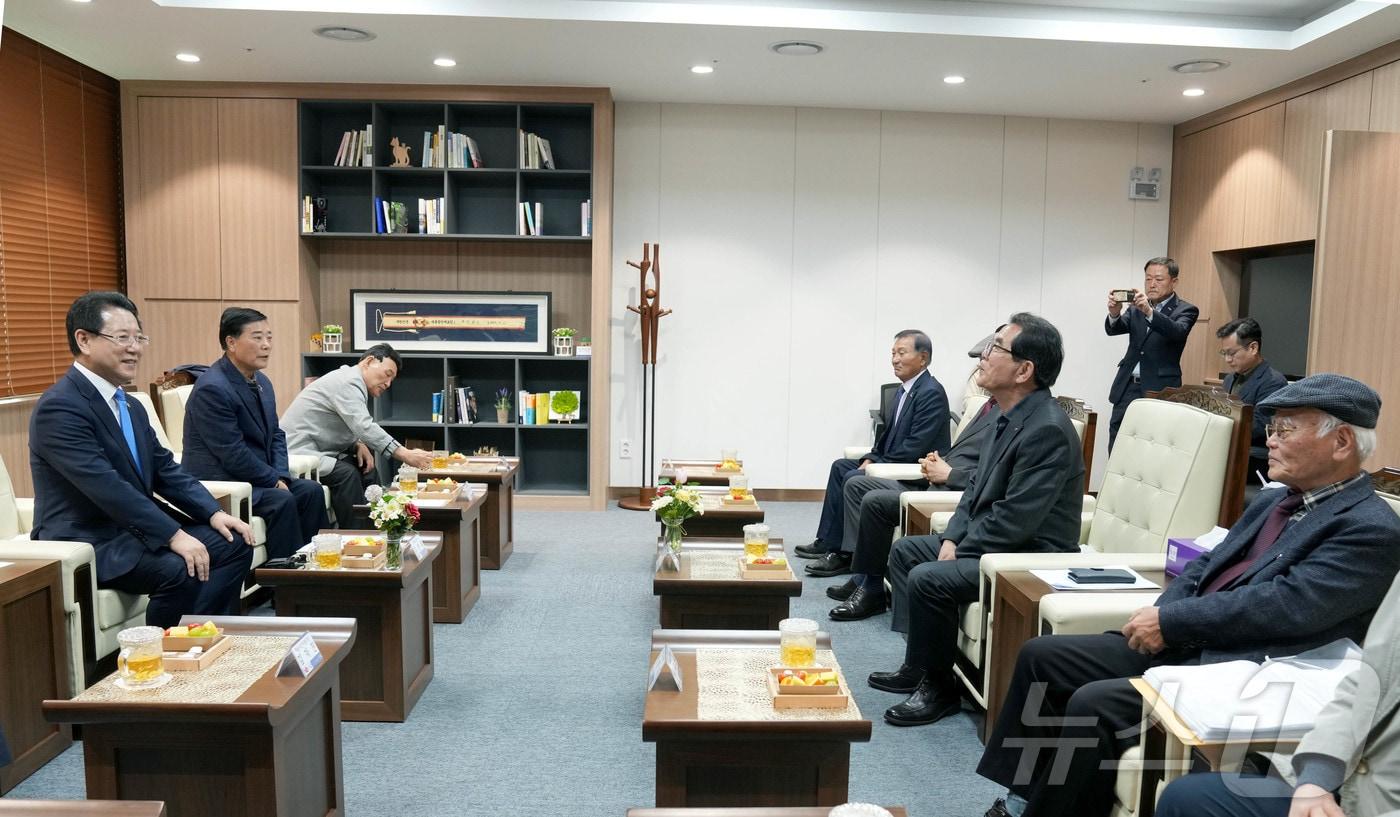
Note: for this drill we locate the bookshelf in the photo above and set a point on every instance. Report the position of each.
(478, 202)
(554, 457)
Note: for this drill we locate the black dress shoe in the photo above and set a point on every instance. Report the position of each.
(998, 809)
(832, 564)
(927, 704)
(862, 604)
(841, 592)
(816, 550)
(906, 680)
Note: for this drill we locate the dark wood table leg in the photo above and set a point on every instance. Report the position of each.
(726, 773)
(723, 612)
(498, 523)
(34, 653)
(1017, 618)
(457, 572)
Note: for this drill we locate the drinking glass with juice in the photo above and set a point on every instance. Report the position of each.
(327, 550)
(797, 640)
(140, 663)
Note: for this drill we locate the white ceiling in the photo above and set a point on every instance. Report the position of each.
(1092, 59)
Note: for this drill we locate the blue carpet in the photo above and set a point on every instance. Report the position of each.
(536, 703)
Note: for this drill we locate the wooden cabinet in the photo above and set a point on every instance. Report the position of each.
(1343, 106)
(174, 222)
(257, 197)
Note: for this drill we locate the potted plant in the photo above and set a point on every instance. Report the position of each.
(395, 515)
(564, 341)
(675, 505)
(564, 405)
(331, 335)
(503, 405)
(584, 348)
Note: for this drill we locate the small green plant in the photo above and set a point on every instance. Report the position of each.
(503, 399)
(332, 329)
(564, 403)
(584, 342)
(563, 332)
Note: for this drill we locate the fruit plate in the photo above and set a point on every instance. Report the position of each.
(748, 501)
(181, 644)
(362, 546)
(805, 697)
(770, 572)
(178, 659)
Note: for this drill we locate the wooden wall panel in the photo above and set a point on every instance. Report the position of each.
(1257, 173)
(1356, 279)
(1385, 98)
(14, 442)
(349, 264)
(287, 345)
(562, 269)
(1343, 106)
(258, 199)
(175, 229)
(182, 331)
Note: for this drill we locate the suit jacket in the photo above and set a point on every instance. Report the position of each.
(1322, 580)
(967, 449)
(1153, 346)
(86, 486)
(329, 416)
(1027, 494)
(231, 431)
(1262, 382)
(922, 425)
(1360, 726)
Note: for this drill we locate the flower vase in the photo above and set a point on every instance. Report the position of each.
(330, 341)
(393, 558)
(503, 415)
(674, 533)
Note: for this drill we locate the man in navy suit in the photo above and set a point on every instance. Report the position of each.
(231, 433)
(1304, 566)
(1251, 379)
(918, 425)
(1156, 324)
(98, 467)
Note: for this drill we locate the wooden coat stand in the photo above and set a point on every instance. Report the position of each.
(650, 311)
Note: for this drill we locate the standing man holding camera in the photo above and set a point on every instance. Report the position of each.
(1157, 322)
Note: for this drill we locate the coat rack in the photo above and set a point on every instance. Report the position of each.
(650, 311)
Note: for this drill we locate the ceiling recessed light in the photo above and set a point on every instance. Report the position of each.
(186, 57)
(797, 48)
(345, 34)
(702, 69)
(954, 79)
(82, 1)
(1194, 92)
(1200, 66)
(444, 62)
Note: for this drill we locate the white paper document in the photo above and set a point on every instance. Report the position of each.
(1208, 540)
(1242, 700)
(1059, 579)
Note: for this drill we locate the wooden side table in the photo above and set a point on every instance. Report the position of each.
(498, 512)
(34, 653)
(457, 572)
(688, 602)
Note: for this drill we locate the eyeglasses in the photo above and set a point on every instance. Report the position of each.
(1283, 432)
(1229, 354)
(993, 346)
(127, 340)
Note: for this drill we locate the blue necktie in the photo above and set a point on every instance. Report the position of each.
(127, 432)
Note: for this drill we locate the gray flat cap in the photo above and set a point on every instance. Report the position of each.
(976, 351)
(1350, 401)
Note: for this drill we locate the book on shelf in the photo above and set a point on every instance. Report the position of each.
(531, 215)
(356, 148)
(542, 408)
(466, 405)
(437, 406)
(431, 216)
(449, 403)
(522, 399)
(379, 221)
(535, 152)
(586, 217)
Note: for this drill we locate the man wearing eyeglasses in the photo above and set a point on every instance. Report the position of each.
(1304, 566)
(1251, 378)
(98, 469)
(1157, 322)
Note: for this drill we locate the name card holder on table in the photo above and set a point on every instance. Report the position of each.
(301, 658)
(665, 659)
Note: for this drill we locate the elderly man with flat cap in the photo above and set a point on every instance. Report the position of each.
(1304, 566)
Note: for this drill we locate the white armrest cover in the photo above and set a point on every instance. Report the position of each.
(240, 492)
(304, 466)
(855, 452)
(994, 563)
(25, 507)
(931, 501)
(1089, 612)
(901, 471)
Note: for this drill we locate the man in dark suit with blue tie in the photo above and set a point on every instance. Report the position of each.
(1304, 566)
(1157, 323)
(231, 433)
(918, 425)
(97, 469)
(1251, 379)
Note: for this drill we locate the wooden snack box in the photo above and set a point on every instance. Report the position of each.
(805, 697)
(426, 491)
(367, 561)
(176, 660)
(362, 549)
(169, 643)
(746, 501)
(748, 570)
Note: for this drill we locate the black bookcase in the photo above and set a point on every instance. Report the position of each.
(478, 202)
(554, 457)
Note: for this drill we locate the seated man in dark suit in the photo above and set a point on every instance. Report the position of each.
(1251, 378)
(231, 433)
(1027, 496)
(97, 468)
(873, 516)
(1303, 566)
(919, 424)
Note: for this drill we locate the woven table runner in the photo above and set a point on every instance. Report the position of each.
(245, 661)
(733, 686)
(713, 565)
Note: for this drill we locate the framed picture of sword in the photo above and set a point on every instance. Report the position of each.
(515, 323)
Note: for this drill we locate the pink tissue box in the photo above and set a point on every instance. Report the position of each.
(1180, 553)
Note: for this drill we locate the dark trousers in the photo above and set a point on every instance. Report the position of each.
(859, 486)
(832, 523)
(1210, 794)
(928, 594)
(1069, 714)
(162, 575)
(1131, 393)
(347, 483)
(879, 515)
(292, 516)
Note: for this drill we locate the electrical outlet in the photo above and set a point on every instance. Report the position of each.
(624, 449)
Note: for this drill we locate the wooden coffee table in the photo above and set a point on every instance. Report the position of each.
(392, 663)
(81, 808)
(498, 513)
(692, 602)
(457, 572)
(720, 520)
(777, 811)
(34, 652)
(274, 751)
(713, 763)
(702, 472)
